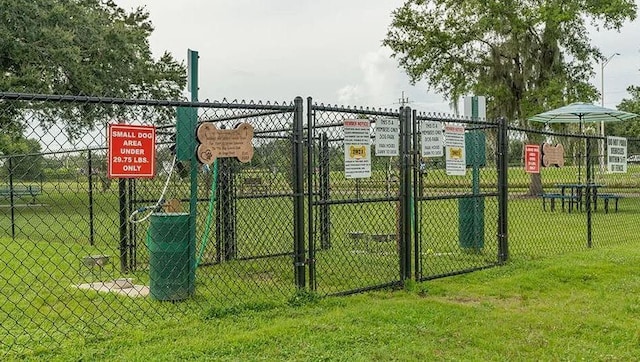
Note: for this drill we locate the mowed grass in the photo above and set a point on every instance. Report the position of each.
(578, 306)
(42, 309)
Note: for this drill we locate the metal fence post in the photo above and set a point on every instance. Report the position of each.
(503, 191)
(325, 216)
(192, 60)
(310, 193)
(131, 239)
(122, 197)
(405, 193)
(226, 241)
(90, 177)
(11, 200)
(298, 194)
(588, 193)
(415, 206)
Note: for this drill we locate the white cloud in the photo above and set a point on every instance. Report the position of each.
(330, 50)
(379, 83)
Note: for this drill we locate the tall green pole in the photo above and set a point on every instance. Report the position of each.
(475, 184)
(192, 61)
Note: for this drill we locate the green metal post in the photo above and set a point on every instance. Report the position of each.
(192, 60)
(478, 214)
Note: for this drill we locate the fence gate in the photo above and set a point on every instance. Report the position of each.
(408, 218)
(457, 210)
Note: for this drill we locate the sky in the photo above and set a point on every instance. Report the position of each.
(331, 50)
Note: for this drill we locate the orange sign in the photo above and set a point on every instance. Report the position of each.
(131, 151)
(532, 159)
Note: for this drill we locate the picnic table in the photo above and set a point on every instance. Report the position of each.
(573, 195)
(577, 193)
(21, 191)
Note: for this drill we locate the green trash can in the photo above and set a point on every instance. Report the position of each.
(471, 223)
(171, 257)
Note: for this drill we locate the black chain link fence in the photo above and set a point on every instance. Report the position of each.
(581, 199)
(80, 257)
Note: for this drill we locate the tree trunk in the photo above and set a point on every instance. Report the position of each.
(535, 186)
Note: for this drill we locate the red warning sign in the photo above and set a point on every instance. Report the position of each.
(132, 151)
(532, 158)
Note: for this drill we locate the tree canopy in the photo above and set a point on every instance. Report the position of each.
(79, 47)
(629, 129)
(526, 56)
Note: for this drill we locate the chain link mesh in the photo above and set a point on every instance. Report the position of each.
(73, 265)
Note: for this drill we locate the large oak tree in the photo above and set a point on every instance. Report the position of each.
(78, 47)
(525, 55)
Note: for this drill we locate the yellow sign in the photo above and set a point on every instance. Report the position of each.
(358, 152)
(455, 153)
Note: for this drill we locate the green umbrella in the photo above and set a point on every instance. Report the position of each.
(582, 113)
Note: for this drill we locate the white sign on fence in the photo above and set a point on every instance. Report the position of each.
(431, 139)
(456, 164)
(617, 154)
(387, 137)
(357, 148)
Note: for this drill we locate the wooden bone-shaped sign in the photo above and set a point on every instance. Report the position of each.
(216, 142)
(552, 155)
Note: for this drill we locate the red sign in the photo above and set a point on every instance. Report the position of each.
(132, 151)
(532, 158)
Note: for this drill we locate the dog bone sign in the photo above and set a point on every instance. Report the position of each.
(552, 155)
(216, 142)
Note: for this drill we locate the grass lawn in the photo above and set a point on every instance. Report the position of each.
(246, 309)
(578, 306)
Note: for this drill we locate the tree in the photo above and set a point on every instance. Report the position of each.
(526, 56)
(79, 47)
(629, 129)
(27, 163)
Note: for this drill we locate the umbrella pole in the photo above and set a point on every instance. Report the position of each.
(580, 150)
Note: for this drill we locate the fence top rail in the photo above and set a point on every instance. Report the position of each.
(142, 102)
(441, 117)
(354, 110)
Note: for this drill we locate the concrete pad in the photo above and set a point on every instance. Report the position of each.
(119, 286)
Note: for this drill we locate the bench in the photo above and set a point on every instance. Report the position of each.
(382, 238)
(606, 198)
(253, 184)
(21, 191)
(554, 196)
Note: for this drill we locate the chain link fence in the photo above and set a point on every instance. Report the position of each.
(79, 256)
(575, 201)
